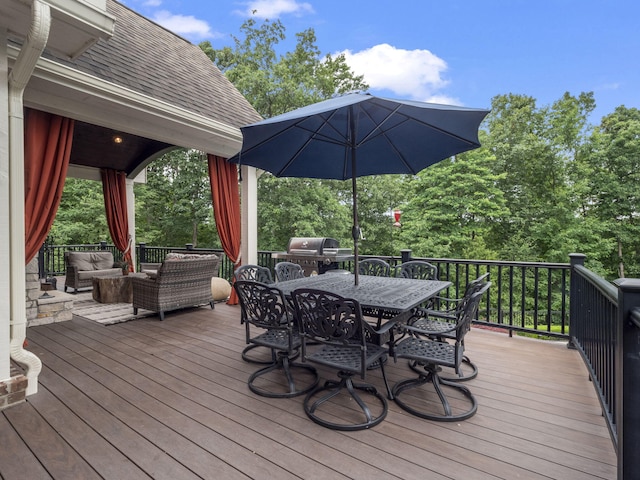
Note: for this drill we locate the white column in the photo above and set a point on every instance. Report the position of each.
(131, 214)
(249, 214)
(5, 257)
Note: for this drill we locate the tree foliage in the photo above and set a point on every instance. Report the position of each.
(275, 84)
(174, 206)
(81, 216)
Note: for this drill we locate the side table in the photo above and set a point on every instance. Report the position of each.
(114, 289)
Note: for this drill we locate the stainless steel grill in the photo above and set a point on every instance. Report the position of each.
(315, 255)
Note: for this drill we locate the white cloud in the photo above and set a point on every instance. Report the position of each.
(152, 3)
(274, 8)
(414, 74)
(185, 25)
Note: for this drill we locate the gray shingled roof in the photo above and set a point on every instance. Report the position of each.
(149, 59)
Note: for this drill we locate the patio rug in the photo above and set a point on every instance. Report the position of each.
(105, 313)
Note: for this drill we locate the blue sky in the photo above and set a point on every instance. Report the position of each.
(461, 52)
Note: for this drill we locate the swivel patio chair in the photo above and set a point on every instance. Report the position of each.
(375, 267)
(265, 307)
(288, 271)
(438, 324)
(336, 324)
(418, 269)
(260, 274)
(430, 356)
(253, 272)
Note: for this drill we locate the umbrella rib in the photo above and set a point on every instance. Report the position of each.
(377, 131)
(314, 136)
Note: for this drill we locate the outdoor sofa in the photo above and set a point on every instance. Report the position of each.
(81, 267)
(182, 280)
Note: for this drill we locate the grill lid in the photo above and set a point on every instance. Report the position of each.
(312, 245)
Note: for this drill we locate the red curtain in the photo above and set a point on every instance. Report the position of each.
(114, 187)
(226, 209)
(47, 148)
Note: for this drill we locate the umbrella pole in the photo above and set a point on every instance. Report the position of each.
(355, 231)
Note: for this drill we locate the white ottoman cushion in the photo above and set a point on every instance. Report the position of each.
(220, 289)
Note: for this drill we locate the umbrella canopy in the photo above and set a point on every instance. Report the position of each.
(357, 135)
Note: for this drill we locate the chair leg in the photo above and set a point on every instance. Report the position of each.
(161, 313)
(135, 310)
(332, 388)
(249, 359)
(283, 363)
(213, 305)
(468, 373)
(430, 376)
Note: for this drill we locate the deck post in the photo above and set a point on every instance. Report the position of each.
(574, 295)
(627, 363)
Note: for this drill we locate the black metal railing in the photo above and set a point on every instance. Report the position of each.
(605, 329)
(529, 297)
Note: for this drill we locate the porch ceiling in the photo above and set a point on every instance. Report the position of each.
(97, 147)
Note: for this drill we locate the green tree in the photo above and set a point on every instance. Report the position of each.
(612, 162)
(274, 83)
(453, 208)
(81, 216)
(174, 207)
(535, 149)
(294, 207)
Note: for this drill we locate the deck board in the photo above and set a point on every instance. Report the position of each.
(152, 399)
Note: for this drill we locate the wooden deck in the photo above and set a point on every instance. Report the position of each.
(150, 399)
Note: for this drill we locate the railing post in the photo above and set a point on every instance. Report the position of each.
(189, 246)
(574, 296)
(142, 252)
(627, 367)
(103, 245)
(405, 255)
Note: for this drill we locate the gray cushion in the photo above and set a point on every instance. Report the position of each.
(187, 256)
(80, 260)
(102, 260)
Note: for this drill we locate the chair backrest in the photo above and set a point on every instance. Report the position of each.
(474, 285)
(253, 272)
(375, 267)
(417, 269)
(467, 310)
(262, 305)
(330, 319)
(288, 271)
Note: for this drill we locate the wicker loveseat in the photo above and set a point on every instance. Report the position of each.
(182, 280)
(81, 267)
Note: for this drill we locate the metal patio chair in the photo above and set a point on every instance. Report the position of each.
(418, 269)
(430, 355)
(253, 272)
(288, 271)
(265, 307)
(260, 274)
(335, 326)
(438, 324)
(375, 267)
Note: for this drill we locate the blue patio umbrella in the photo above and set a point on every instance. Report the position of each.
(356, 135)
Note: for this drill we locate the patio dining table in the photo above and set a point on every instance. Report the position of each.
(394, 297)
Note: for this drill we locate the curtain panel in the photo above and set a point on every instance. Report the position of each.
(114, 188)
(47, 149)
(226, 209)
